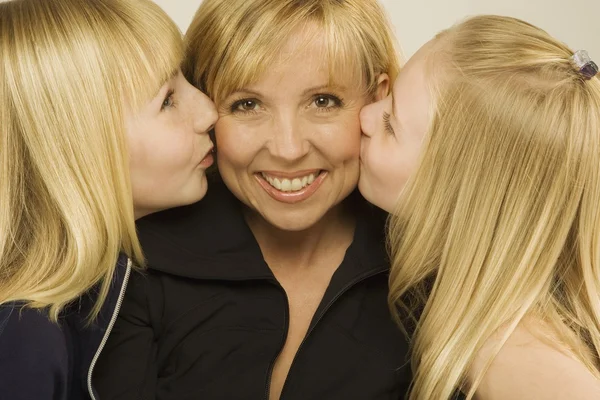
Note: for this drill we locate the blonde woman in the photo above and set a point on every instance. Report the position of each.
(275, 285)
(98, 128)
(491, 142)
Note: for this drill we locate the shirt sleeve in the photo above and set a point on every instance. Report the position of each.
(34, 358)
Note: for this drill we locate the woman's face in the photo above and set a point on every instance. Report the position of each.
(170, 148)
(393, 132)
(289, 143)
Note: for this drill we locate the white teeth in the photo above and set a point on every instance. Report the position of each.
(287, 185)
(296, 185)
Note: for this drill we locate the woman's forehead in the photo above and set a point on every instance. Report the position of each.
(307, 59)
(293, 79)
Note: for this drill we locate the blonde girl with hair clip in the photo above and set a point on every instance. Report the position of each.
(487, 154)
(98, 128)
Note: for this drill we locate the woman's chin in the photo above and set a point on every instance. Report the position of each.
(292, 221)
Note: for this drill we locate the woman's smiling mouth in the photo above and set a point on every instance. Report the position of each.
(291, 187)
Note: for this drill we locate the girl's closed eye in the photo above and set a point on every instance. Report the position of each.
(169, 100)
(387, 124)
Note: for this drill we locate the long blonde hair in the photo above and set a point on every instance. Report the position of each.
(231, 43)
(69, 72)
(501, 220)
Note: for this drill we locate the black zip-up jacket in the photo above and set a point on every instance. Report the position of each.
(208, 319)
(42, 360)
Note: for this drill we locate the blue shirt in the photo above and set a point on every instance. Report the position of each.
(43, 360)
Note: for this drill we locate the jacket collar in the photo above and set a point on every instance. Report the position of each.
(211, 240)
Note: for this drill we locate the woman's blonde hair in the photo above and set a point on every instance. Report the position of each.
(502, 218)
(231, 43)
(70, 70)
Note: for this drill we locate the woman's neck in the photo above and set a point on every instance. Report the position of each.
(306, 249)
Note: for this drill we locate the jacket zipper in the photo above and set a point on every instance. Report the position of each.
(113, 319)
(283, 339)
(361, 278)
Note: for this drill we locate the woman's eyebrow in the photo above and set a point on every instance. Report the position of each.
(317, 88)
(325, 86)
(245, 91)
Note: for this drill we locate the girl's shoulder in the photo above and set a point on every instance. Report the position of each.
(34, 357)
(529, 366)
(25, 330)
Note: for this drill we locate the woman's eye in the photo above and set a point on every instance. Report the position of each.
(323, 101)
(327, 101)
(245, 105)
(248, 105)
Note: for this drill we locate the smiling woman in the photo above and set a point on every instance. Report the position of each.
(296, 124)
(275, 285)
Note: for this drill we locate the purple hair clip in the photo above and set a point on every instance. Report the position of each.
(586, 67)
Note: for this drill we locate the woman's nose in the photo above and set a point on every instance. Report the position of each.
(288, 142)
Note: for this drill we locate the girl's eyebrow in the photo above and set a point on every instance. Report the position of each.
(173, 74)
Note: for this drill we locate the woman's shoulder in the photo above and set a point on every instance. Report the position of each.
(33, 353)
(529, 364)
(219, 201)
(194, 229)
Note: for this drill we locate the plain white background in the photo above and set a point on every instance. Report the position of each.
(575, 22)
